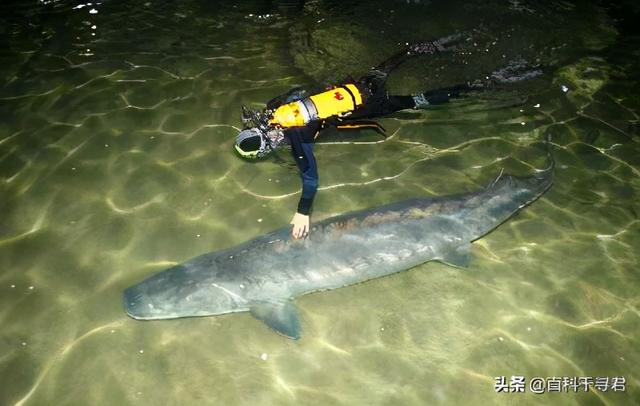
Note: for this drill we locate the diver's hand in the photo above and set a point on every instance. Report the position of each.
(300, 225)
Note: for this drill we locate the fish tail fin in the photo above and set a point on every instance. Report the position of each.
(547, 173)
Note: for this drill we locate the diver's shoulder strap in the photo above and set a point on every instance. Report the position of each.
(362, 125)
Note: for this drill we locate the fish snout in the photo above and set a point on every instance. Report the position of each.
(138, 304)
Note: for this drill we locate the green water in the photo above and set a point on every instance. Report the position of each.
(116, 162)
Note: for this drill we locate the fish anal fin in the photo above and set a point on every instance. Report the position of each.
(459, 256)
(281, 316)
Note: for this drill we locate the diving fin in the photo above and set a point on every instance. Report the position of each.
(282, 316)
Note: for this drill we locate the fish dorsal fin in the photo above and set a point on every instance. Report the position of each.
(459, 257)
(496, 180)
(281, 315)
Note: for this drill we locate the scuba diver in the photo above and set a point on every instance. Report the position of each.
(297, 117)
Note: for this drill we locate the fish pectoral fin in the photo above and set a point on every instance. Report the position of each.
(459, 257)
(282, 316)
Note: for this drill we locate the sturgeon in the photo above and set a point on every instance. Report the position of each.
(265, 275)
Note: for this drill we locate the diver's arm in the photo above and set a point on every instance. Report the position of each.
(301, 218)
(309, 180)
(300, 223)
(305, 160)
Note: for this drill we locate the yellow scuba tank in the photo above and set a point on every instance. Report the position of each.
(339, 101)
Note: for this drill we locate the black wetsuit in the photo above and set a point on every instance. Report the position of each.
(376, 102)
(301, 140)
